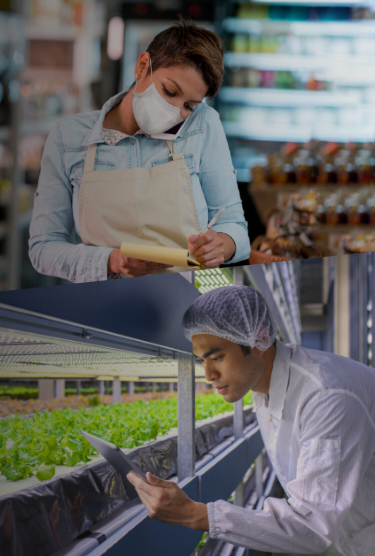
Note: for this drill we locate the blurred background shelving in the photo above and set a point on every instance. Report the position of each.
(297, 102)
(50, 60)
(298, 108)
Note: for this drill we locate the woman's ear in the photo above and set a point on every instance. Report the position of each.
(142, 65)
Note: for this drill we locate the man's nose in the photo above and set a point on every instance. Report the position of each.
(210, 371)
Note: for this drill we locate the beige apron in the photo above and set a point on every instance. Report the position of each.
(137, 205)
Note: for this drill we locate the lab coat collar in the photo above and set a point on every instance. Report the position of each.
(94, 135)
(275, 400)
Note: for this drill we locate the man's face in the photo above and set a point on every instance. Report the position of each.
(231, 372)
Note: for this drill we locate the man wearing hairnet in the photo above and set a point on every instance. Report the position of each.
(316, 413)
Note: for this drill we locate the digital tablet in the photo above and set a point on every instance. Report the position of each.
(113, 455)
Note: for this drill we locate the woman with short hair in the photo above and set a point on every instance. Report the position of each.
(152, 167)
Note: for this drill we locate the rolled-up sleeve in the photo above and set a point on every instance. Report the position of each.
(50, 249)
(329, 470)
(219, 184)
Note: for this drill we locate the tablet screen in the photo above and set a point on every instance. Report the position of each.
(113, 455)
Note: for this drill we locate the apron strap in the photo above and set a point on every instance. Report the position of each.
(173, 155)
(90, 158)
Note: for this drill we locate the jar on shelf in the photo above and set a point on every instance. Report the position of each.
(321, 213)
(332, 216)
(239, 42)
(327, 170)
(365, 168)
(342, 216)
(371, 210)
(354, 218)
(364, 216)
(276, 172)
(306, 168)
(347, 171)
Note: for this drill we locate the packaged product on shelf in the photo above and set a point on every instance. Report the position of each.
(359, 244)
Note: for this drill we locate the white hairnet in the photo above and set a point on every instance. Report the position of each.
(236, 313)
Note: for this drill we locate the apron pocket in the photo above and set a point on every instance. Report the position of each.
(188, 159)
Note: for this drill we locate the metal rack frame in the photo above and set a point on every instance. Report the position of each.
(215, 477)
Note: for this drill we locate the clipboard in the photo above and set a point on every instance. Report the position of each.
(160, 254)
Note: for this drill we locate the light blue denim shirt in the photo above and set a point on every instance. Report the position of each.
(55, 246)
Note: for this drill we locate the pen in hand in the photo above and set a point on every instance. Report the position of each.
(213, 221)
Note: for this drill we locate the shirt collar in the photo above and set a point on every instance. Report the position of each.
(278, 383)
(94, 135)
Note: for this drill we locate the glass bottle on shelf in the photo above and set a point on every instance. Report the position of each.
(332, 216)
(365, 170)
(288, 153)
(371, 210)
(352, 204)
(305, 168)
(276, 170)
(327, 171)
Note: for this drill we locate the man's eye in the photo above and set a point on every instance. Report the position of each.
(168, 92)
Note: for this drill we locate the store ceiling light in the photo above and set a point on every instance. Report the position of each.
(115, 42)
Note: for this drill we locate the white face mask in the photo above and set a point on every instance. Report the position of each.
(153, 113)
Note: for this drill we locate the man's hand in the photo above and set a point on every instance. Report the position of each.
(117, 263)
(167, 503)
(211, 249)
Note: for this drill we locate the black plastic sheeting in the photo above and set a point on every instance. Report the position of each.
(39, 520)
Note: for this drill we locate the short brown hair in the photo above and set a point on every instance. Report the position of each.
(187, 44)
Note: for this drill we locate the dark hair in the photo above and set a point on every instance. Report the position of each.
(187, 44)
(245, 350)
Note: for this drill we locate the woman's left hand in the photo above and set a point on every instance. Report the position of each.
(211, 249)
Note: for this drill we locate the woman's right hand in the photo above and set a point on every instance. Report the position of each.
(133, 268)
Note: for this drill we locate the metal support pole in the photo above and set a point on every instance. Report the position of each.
(238, 433)
(238, 495)
(171, 386)
(259, 475)
(101, 387)
(116, 390)
(46, 389)
(189, 276)
(131, 387)
(186, 417)
(14, 245)
(238, 276)
(342, 307)
(154, 387)
(147, 386)
(238, 419)
(238, 280)
(78, 387)
(59, 388)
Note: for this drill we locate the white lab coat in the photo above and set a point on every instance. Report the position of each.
(318, 426)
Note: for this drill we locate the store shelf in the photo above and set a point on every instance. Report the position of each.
(61, 33)
(290, 98)
(300, 28)
(299, 133)
(267, 133)
(293, 62)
